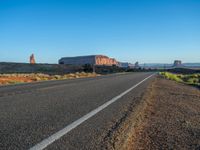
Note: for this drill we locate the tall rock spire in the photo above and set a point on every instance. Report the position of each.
(32, 59)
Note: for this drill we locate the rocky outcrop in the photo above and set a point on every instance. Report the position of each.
(32, 59)
(177, 63)
(104, 60)
(91, 60)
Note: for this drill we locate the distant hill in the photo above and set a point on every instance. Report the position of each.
(161, 65)
(155, 65)
(192, 64)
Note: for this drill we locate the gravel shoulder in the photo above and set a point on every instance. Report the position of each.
(171, 118)
(167, 117)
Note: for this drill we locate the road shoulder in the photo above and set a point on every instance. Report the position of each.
(167, 117)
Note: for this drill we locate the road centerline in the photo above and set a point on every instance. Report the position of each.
(49, 140)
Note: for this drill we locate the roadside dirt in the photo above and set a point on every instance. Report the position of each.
(168, 117)
(171, 120)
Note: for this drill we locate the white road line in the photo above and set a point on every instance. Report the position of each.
(43, 144)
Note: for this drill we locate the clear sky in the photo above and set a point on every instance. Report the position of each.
(147, 31)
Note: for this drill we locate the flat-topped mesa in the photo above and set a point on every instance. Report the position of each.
(177, 63)
(91, 59)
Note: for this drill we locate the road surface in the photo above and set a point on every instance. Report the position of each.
(67, 114)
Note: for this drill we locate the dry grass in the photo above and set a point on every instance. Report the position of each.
(34, 77)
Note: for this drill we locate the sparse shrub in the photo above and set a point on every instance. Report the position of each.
(15, 82)
(76, 76)
(193, 79)
(57, 77)
(171, 76)
(37, 78)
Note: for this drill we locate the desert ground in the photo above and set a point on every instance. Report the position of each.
(17, 78)
(168, 117)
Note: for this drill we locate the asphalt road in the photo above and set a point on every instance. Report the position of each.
(30, 113)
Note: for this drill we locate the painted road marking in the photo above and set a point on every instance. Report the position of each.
(43, 144)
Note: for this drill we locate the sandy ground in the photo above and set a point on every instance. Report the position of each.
(170, 120)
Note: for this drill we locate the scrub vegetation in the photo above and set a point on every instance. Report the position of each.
(192, 79)
(33, 77)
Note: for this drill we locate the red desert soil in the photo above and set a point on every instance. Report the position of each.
(23, 78)
(169, 120)
(7, 80)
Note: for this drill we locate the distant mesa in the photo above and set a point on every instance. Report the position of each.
(32, 59)
(99, 60)
(90, 59)
(125, 65)
(178, 63)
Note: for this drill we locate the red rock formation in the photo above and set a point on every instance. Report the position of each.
(91, 59)
(104, 60)
(32, 59)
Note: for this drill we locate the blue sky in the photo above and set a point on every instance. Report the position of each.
(147, 31)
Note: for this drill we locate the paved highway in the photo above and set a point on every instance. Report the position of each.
(67, 114)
